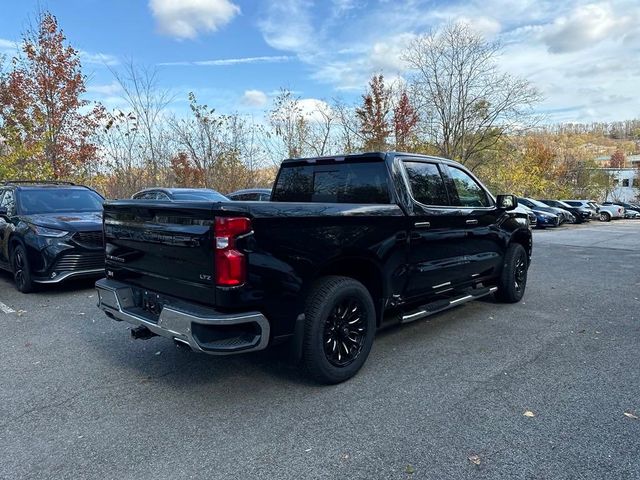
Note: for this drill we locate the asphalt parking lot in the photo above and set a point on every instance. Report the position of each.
(437, 399)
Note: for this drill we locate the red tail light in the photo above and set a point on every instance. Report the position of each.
(231, 265)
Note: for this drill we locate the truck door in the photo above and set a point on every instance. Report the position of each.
(477, 215)
(436, 260)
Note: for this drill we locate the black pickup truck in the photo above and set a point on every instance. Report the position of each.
(345, 246)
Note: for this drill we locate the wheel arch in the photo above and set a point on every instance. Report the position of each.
(362, 269)
(524, 238)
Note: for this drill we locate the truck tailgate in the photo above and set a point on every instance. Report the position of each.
(163, 247)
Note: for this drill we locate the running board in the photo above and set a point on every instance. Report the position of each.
(440, 305)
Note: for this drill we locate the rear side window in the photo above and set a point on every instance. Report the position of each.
(469, 192)
(427, 186)
(335, 183)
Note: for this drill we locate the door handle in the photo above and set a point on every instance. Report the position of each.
(472, 222)
(422, 224)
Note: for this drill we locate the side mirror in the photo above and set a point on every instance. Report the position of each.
(507, 202)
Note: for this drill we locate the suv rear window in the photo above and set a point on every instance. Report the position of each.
(362, 182)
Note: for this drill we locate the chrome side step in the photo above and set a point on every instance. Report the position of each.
(441, 305)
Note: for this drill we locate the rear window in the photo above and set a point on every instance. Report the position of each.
(62, 200)
(364, 182)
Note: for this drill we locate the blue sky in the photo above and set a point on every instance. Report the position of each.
(235, 54)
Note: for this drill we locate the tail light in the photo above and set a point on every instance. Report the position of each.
(231, 265)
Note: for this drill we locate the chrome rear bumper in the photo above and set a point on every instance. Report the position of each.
(203, 329)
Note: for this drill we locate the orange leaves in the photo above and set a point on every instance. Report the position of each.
(41, 104)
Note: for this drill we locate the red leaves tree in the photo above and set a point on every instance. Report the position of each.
(41, 102)
(373, 115)
(405, 120)
(185, 173)
(618, 159)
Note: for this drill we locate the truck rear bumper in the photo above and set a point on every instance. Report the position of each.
(203, 329)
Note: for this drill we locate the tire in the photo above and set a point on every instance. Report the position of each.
(21, 270)
(513, 279)
(337, 341)
(604, 217)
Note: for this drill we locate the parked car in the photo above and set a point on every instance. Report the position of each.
(564, 215)
(251, 195)
(581, 214)
(587, 204)
(345, 246)
(172, 194)
(49, 232)
(608, 212)
(630, 210)
(546, 219)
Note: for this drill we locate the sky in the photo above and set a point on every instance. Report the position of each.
(235, 55)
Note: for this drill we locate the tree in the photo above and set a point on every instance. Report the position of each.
(405, 121)
(618, 159)
(466, 104)
(43, 118)
(147, 103)
(373, 115)
(289, 127)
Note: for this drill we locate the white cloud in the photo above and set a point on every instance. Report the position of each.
(287, 25)
(7, 45)
(108, 89)
(98, 58)
(188, 18)
(313, 109)
(254, 98)
(223, 62)
(584, 55)
(586, 26)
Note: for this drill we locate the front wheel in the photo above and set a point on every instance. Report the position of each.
(605, 217)
(340, 323)
(513, 279)
(21, 270)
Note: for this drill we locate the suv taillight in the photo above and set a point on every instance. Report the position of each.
(231, 265)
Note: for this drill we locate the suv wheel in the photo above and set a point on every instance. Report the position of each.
(513, 279)
(605, 217)
(21, 271)
(340, 323)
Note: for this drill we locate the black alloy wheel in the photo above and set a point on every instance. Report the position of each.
(345, 331)
(520, 277)
(339, 327)
(21, 271)
(513, 280)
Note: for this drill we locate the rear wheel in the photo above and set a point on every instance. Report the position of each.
(340, 323)
(605, 217)
(21, 271)
(513, 279)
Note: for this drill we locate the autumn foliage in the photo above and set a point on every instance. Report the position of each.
(374, 113)
(45, 121)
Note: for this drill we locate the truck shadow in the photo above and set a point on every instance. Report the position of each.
(158, 360)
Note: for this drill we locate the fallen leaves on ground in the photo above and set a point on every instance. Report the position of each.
(630, 415)
(475, 459)
(529, 413)
(410, 470)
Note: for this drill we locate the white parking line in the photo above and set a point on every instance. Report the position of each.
(6, 308)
